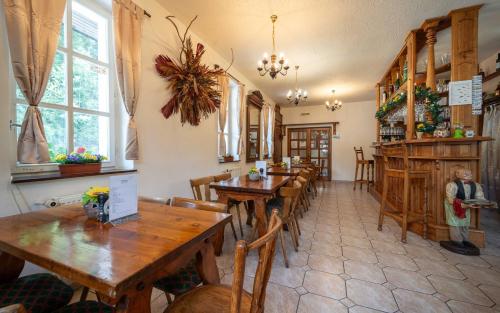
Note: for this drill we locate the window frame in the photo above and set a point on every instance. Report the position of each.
(69, 108)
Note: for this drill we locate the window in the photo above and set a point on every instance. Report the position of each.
(77, 108)
(231, 130)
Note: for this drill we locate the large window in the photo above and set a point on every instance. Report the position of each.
(77, 108)
(231, 129)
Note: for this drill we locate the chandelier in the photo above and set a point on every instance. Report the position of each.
(298, 95)
(333, 105)
(276, 66)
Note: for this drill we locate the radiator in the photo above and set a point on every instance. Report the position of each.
(235, 171)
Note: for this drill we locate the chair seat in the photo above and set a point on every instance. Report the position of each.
(184, 280)
(210, 298)
(39, 293)
(86, 307)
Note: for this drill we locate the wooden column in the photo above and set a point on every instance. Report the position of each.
(377, 130)
(411, 59)
(464, 60)
(430, 28)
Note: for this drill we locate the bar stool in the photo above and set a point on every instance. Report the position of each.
(396, 166)
(370, 165)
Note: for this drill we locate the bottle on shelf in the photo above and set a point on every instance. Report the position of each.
(405, 71)
(498, 63)
(397, 83)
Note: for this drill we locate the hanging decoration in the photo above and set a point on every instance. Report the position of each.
(193, 84)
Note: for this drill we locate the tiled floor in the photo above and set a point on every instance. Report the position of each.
(346, 265)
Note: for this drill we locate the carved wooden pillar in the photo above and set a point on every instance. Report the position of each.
(377, 130)
(429, 27)
(411, 59)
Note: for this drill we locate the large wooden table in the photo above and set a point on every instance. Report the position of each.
(255, 192)
(280, 171)
(119, 262)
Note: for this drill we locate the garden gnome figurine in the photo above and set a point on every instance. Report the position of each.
(458, 213)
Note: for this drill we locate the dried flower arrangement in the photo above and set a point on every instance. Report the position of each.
(194, 85)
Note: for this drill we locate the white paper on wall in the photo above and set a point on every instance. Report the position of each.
(460, 92)
(477, 95)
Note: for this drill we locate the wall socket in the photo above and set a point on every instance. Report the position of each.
(64, 200)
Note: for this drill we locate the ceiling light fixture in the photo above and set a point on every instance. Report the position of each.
(333, 105)
(298, 95)
(277, 66)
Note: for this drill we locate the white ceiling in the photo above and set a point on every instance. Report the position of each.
(341, 44)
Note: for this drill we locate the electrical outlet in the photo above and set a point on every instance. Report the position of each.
(64, 200)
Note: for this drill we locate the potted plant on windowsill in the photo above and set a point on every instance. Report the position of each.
(228, 158)
(79, 162)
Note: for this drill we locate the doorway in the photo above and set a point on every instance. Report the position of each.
(312, 144)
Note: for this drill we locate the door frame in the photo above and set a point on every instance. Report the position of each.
(331, 127)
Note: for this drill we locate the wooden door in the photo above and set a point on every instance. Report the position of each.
(311, 144)
(278, 136)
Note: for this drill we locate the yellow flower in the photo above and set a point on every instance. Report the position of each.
(61, 157)
(94, 191)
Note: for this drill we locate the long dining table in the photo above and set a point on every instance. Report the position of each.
(120, 262)
(280, 171)
(256, 193)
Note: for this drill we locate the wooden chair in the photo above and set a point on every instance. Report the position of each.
(321, 171)
(286, 205)
(314, 177)
(396, 166)
(307, 175)
(234, 299)
(15, 308)
(302, 197)
(201, 191)
(370, 165)
(232, 203)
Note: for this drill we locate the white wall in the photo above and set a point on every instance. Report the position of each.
(170, 153)
(356, 128)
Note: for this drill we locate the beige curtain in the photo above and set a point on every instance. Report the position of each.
(271, 131)
(241, 122)
(33, 30)
(127, 27)
(224, 89)
(265, 119)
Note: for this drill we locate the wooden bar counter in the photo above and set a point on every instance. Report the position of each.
(441, 156)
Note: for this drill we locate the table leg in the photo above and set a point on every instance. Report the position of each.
(250, 210)
(260, 213)
(206, 264)
(218, 241)
(138, 301)
(11, 267)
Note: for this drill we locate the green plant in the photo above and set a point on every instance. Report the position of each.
(253, 170)
(425, 127)
(397, 101)
(431, 100)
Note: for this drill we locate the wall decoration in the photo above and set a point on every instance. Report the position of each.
(193, 84)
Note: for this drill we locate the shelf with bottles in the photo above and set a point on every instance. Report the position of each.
(392, 132)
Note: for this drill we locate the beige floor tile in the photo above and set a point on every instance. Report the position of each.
(438, 268)
(480, 274)
(397, 261)
(408, 280)
(491, 259)
(326, 237)
(280, 299)
(324, 248)
(364, 271)
(311, 303)
(362, 309)
(459, 290)
(324, 263)
(492, 292)
(462, 307)
(424, 252)
(454, 258)
(384, 246)
(327, 228)
(354, 232)
(356, 242)
(359, 254)
(296, 259)
(325, 284)
(414, 302)
(370, 295)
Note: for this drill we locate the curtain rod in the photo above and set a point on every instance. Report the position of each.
(147, 13)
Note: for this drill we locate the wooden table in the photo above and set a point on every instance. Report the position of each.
(255, 192)
(119, 262)
(279, 171)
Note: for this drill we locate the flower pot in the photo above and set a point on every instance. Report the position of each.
(428, 135)
(78, 169)
(254, 176)
(228, 159)
(419, 135)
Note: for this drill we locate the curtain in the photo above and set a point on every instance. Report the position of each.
(223, 81)
(490, 165)
(127, 27)
(33, 32)
(265, 115)
(241, 121)
(271, 131)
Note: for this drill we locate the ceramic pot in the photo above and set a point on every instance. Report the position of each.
(419, 135)
(254, 176)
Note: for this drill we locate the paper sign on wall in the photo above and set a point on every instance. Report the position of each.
(261, 167)
(123, 197)
(460, 92)
(288, 161)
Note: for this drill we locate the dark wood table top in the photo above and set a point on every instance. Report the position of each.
(244, 184)
(278, 170)
(106, 258)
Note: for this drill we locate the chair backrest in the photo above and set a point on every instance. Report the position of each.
(303, 182)
(15, 308)
(221, 177)
(290, 195)
(360, 156)
(199, 205)
(395, 158)
(266, 246)
(197, 184)
(158, 200)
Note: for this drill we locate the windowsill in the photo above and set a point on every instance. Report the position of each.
(233, 161)
(55, 175)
